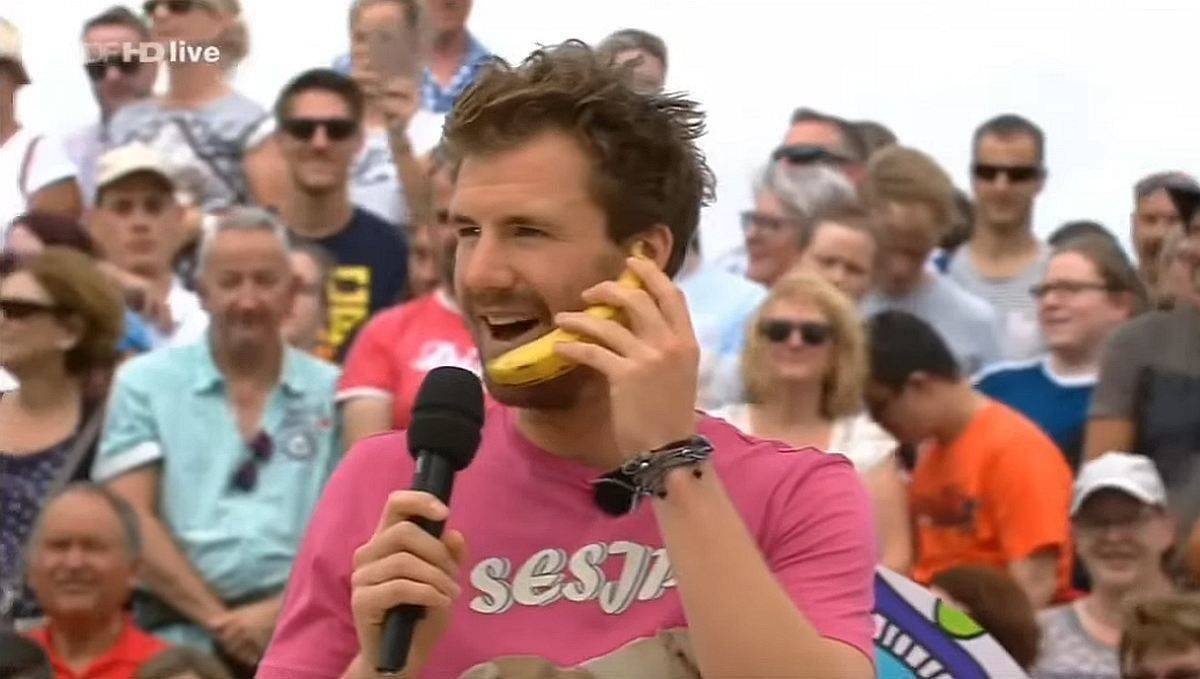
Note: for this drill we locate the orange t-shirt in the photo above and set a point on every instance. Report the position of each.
(998, 493)
(133, 649)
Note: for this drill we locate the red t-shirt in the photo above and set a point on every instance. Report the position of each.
(399, 345)
(133, 649)
(552, 575)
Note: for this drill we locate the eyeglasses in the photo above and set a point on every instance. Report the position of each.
(245, 478)
(337, 129)
(20, 309)
(765, 222)
(174, 6)
(96, 70)
(1015, 173)
(808, 154)
(811, 333)
(1071, 288)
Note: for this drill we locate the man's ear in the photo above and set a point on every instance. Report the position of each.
(656, 242)
(920, 380)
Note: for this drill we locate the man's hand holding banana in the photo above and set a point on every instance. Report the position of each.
(651, 365)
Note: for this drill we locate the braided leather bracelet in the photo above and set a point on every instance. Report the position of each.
(618, 492)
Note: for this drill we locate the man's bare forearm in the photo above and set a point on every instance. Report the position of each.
(172, 578)
(417, 192)
(741, 621)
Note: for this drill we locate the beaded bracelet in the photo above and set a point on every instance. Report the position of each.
(618, 492)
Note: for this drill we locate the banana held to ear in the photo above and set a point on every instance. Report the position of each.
(536, 361)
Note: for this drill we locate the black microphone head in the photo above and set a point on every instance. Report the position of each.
(447, 416)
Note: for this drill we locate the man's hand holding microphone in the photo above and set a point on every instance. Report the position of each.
(405, 577)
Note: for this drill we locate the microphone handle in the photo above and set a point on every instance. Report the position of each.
(434, 475)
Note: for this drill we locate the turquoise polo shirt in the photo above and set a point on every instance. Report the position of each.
(170, 407)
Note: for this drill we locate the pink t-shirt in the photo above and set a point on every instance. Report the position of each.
(399, 345)
(552, 575)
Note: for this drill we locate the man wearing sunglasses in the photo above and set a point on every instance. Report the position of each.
(115, 81)
(989, 487)
(1003, 258)
(816, 138)
(319, 119)
(1148, 394)
(222, 447)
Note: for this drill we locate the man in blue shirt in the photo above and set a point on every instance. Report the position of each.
(223, 447)
(1089, 289)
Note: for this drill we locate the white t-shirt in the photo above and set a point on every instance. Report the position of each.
(47, 165)
(857, 437)
(189, 317)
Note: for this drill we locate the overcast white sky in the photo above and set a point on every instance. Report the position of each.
(1112, 84)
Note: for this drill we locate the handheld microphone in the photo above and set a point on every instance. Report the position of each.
(443, 437)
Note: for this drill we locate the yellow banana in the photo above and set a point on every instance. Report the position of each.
(536, 361)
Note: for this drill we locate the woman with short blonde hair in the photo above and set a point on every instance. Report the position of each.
(804, 365)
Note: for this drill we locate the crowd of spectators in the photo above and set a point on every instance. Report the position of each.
(205, 301)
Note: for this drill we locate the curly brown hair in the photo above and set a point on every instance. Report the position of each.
(81, 291)
(648, 168)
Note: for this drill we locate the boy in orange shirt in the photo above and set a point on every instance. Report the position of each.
(989, 487)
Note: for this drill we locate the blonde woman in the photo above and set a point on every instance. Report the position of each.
(804, 365)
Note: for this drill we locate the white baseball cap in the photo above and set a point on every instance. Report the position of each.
(123, 161)
(10, 49)
(1135, 475)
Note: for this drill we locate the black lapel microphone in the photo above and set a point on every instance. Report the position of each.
(443, 437)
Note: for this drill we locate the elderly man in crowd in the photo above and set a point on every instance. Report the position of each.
(83, 555)
(222, 447)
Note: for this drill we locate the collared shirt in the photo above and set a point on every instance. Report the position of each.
(440, 100)
(132, 649)
(171, 407)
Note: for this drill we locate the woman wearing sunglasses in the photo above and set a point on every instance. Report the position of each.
(60, 319)
(804, 366)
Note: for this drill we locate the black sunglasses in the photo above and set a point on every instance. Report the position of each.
(174, 6)
(808, 154)
(245, 478)
(811, 333)
(96, 70)
(337, 129)
(1015, 173)
(20, 309)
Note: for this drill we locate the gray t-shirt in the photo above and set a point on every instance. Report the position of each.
(1150, 376)
(203, 146)
(966, 322)
(1067, 651)
(1016, 309)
